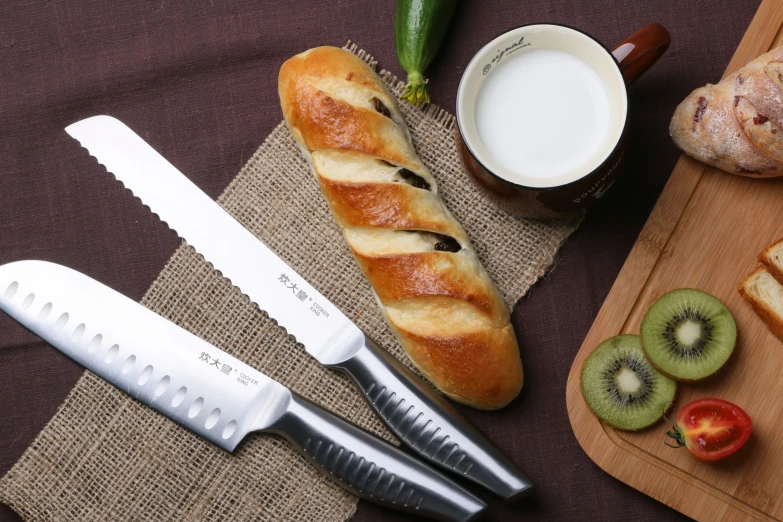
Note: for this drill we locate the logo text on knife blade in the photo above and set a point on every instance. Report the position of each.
(317, 309)
(243, 378)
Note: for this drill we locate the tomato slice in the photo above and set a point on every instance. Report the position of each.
(711, 429)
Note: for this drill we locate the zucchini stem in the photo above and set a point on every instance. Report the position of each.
(416, 89)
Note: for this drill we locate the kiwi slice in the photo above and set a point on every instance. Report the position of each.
(688, 334)
(622, 388)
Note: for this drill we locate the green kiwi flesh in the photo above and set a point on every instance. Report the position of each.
(622, 388)
(688, 334)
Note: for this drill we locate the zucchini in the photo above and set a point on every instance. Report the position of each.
(419, 28)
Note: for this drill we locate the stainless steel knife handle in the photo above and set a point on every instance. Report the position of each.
(429, 425)
(370, 467)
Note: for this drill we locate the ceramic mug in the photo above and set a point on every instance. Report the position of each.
(551, 196)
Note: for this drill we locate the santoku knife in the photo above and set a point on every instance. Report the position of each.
(416, 414)
(212, 393)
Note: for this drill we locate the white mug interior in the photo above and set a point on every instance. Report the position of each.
(523, 39)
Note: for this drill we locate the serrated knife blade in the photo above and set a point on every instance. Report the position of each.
(329, 335)
(422, 419)
(212, 393)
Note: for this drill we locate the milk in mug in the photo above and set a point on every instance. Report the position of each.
(543, 113)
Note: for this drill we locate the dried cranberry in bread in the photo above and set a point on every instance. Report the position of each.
(429, 283)
(737, 125)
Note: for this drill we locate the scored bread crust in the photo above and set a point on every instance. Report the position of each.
(737, 124)
(760, 288)
(427, 279)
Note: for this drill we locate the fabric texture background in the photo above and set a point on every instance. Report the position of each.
(114, 444)
(198, 80)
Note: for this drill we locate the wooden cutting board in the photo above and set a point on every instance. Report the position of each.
(704, 232)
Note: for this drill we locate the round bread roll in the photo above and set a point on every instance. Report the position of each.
(736, 124)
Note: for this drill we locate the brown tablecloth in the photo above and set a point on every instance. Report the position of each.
(199, 78)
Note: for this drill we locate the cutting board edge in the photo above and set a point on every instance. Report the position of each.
(607, 450)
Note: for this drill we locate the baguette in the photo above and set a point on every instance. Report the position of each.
(736, 124)
(772, 259)
(765, 294)
(428, 281)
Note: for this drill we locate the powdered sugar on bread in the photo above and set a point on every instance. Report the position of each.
(735, 124)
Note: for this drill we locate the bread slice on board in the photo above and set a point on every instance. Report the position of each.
(765, 294)
(772, 259)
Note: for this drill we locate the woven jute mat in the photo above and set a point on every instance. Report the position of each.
(105, 456)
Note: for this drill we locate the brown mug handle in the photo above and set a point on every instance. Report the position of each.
(641, 50)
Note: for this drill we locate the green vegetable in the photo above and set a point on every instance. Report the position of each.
(419, 28)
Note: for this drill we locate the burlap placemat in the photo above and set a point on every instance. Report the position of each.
(104, 456)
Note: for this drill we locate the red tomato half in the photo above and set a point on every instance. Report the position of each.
(711, 429)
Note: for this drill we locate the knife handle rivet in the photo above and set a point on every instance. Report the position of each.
(10, 292)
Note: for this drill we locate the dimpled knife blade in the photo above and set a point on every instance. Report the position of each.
(178, 374)
(212, 393)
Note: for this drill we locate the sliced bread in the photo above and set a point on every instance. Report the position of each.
(765, 294)
(772, 259)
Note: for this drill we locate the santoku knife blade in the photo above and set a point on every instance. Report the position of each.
(416, 414)
(212, 393)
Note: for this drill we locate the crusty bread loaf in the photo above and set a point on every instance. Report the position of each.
(772, 259)
(765, 294)
(431, 287)
(737, 125)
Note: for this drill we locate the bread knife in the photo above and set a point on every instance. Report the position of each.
(422, 419)
(212, 393)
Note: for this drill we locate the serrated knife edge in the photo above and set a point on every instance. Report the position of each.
(340, 342)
